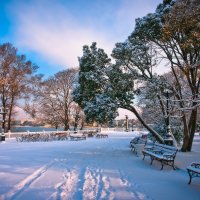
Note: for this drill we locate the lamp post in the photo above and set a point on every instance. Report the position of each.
(167, 93)
(126, 123)
(2, 112)
(132, 124)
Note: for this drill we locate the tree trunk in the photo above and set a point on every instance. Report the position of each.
(82, 125)
(186, 135)
(166, 121)
(3, 113)
(66, 124)
(3, 122)
(154, 133)
(10, 113)
(192, 127)
(76, 122)
(189, 131)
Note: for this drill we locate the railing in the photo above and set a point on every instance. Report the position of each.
(17, 134)
(86, 131)
(112, 129)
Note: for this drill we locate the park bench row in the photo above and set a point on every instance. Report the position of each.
(164, 153)
(35, 137)
(101, 135)
(76, 137)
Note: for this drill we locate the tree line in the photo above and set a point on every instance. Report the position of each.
(47, 100)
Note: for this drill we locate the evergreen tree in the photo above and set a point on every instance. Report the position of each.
(92, 91)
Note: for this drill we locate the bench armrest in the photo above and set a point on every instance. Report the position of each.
(195, 164)
(167, 155)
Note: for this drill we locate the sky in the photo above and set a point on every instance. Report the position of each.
(51, 33)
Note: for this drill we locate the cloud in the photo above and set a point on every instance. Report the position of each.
(56, 30)
(55, 34)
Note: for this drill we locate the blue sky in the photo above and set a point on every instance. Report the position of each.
(51, 33)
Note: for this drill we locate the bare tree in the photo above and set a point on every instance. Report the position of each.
(78, 116)
(15, 75)
(55, 98)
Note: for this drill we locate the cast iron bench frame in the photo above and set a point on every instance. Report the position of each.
(164, 153)
(135, 142)
(193, 170)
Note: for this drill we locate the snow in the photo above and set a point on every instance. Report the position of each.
(91, 169)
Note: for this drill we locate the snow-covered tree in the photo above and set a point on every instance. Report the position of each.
(91, 91)
(55, 99)
(104, 87)
(16, 77)
(174, 30)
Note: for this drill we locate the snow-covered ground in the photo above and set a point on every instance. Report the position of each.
(91, 169)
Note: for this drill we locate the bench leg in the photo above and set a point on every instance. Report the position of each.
(143, 156)
(190, 177)
(162, 166)
(152, 161)
(173, 166)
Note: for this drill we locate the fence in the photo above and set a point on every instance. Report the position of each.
(17, 134)
(103, 130)
(112, 129)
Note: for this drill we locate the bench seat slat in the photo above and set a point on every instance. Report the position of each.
(194, 169)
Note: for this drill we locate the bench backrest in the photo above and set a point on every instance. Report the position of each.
(166, 148)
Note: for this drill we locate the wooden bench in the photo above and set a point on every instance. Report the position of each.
(193, 170)
(101, 135)
(76, 137)
(164, 153)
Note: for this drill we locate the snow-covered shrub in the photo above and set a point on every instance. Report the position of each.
(176, 129)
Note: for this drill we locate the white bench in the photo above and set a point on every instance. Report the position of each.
(101, 135)
(76, 137)
(164, 153)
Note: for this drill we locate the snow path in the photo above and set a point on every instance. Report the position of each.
(24, 184)
(95, 169)
(97, 184)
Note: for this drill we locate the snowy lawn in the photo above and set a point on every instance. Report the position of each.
(91, 169)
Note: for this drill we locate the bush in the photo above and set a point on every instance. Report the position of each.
(176, 128)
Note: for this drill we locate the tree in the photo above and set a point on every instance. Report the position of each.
(176, 37)
(92, 86)
(55, 98)
(15, 74)
(114, 88)
(78, 116)
(159, 36)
